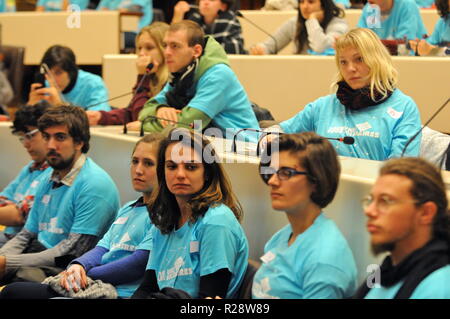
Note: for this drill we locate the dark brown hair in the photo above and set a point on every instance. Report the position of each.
(195, 34)
(73, 117)
(163, 207)
(330, 10)
(319, 159)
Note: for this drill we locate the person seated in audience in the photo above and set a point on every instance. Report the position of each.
(387, 18)
(203, 88)
(367, 105)
(309, 258)
(149, 50)
(424, 4)
(313, 30)
(17, 198)
(408, 217)
(216, 19)
(66, 83)
(143, 6)
(199, 246)
(438, 44)
(60, 5)
(74, 204)
(120, 257)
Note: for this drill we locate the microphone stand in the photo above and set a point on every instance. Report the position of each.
(239, 14)
(427, 122)
(138, 89)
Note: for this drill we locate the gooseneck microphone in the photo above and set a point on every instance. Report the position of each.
(346, 139)
(139, 88)
(239, 14)
(423, 126)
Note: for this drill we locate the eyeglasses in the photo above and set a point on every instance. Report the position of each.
(383, 203)
(283, 173)
(28, 136)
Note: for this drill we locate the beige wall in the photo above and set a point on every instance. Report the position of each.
(97, 34)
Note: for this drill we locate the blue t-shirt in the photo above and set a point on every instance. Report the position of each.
(89, 89)
(380, 131)
(213, 242)
(434, 286)
(441, 33)
(395, 26)
(129, 232)
(219, 94)
(88, 206)
(319, 264)
(345, 3)
(25, 184)
(2, 5)
(56, 5)
(146, 8)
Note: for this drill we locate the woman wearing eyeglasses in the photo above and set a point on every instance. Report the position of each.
(309, 257)
(198, 244)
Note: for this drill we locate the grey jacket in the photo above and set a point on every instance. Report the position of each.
(318, 39)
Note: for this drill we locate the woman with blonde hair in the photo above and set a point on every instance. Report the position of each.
(150, 51)
(367, 106)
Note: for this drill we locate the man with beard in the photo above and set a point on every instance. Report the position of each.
(17, 198)
(74, 205)
(408, 218)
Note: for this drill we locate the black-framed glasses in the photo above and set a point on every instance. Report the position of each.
(283, 173)
(28, 136)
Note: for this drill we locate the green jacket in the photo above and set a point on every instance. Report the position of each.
(213, 54)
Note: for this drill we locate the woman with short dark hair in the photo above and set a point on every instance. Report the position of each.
(309, 257)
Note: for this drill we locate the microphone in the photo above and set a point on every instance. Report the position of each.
(139, 89)
(151, 117)
(239, 14)
(426, 123)
(346, 139)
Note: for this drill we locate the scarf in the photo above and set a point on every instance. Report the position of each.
(178, 97)
(412, 270)
(360, 98)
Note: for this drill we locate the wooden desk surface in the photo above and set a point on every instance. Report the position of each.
(96, 34)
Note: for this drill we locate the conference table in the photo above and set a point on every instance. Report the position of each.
(111, 149)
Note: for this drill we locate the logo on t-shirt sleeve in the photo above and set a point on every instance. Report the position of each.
(393, 113)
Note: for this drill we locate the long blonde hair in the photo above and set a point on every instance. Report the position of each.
(383, 75)
(156, 31)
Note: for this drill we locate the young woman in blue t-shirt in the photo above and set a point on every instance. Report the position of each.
(199, 246)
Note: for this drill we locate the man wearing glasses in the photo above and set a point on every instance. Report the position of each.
(408, 218)
(74, 205)
(17, 198)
